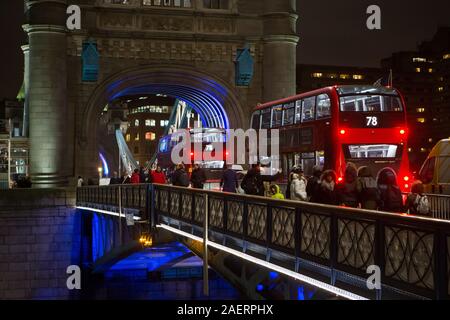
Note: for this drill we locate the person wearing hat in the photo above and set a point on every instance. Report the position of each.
(298, 185)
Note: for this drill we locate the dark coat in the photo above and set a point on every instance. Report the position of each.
(180, 178)
(229, 182)
(347, 192)
(198, 178)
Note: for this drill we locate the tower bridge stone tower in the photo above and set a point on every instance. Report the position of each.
(185, 48)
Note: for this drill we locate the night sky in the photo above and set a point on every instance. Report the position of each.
(332, 32)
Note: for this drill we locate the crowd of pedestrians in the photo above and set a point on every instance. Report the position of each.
(359, 188)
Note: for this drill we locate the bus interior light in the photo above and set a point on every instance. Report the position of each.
(402, 131)
(340, 179)
(342, 131)
(406, 178)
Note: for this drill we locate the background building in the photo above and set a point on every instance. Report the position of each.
(423, 77)
(311, 77)
(148, 118)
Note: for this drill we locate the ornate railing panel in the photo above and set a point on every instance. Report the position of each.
(283, 227)
(199, 214)
(235, 217)
(315, 235)
(356, 243)
(448, 266)
(216, 212)
(410, 256)
(186, 206)
(257, 222)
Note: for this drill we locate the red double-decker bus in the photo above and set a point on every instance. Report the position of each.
(365, 125)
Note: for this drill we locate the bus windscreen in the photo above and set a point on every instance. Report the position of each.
(370, 103)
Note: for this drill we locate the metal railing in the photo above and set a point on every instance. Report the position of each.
(413, 253)
(439, 205)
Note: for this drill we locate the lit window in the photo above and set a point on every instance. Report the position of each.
(420, 110)
(137, 137)
(165, 109)
(143, 98)
(164, 123)
(446, 56)
(317, 75)
(150, 123)
(136, 123)
(158, 110)
(344, 76)
(440, 89)
(410, 149)
(357, 77)
(421, 120)
(150, 136)
(430, 70)
(128, 137)
(332, 76)
(419, 60)
(423, 150)
(418, 70)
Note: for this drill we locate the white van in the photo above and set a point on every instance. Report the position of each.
(435, 172)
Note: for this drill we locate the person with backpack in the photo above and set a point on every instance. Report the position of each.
(367, 188)
(253, 182)
(198, 177)
(417, 202)
(326, 192)
(229, 182)
(313, 184)
(390, 194)
(180, 178)
(346, 191)
(298, 186)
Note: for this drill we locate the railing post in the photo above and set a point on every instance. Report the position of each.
(120, 215)
(333, 247)
(150, 203)
(205, 249)
(440, 272)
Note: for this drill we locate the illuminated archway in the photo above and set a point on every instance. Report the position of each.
(211, 97)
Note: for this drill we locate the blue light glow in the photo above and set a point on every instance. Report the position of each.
(104, 165)
(259, 287)
(206, 103)
(273, 275)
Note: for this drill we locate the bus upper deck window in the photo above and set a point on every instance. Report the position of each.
(323, 106)
(277, 116)
(266, 116)
(288, 114)
(256, 120)
(298, 111)
(309, 108)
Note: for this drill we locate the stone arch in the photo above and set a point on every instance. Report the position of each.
(211, 96)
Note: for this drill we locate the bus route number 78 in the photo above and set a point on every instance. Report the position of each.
(372, 121)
